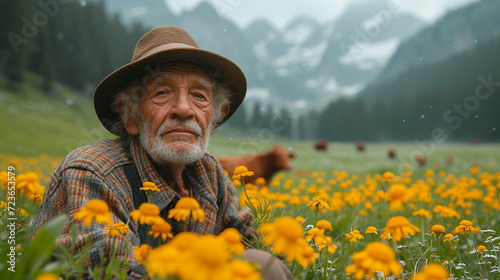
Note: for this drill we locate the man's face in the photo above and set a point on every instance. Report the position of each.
(174, 122)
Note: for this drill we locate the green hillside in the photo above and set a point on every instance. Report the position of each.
(34, 123)
(458, 31)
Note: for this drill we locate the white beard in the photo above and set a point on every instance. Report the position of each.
(165, 153)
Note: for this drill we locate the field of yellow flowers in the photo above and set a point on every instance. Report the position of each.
(436, 221)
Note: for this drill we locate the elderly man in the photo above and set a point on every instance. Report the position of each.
(164, 105)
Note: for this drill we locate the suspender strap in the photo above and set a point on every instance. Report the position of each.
(139, 197)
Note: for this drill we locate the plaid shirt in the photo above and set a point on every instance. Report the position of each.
(96, 171)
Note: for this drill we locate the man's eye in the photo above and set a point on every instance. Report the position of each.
(162, 92)
(199, 95)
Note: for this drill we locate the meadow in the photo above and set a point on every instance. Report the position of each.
(338, 214)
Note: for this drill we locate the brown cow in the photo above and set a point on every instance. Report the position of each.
(360, 146)
(263, 165)
(450, 159)
(321, 145)
(391, 152)
(421, 160)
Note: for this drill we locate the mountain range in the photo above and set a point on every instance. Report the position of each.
(455, 35)
(306, 63)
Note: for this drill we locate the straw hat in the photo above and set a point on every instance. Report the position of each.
(161, 45)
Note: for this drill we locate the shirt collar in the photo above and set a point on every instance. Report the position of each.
(196, 175)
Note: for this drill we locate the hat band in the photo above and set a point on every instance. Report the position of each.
(165, 47)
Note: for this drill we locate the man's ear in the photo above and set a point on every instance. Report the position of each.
(132, 127)
(226, 109)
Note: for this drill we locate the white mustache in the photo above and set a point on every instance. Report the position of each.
(172, 124)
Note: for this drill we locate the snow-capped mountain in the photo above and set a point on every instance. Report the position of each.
(304, 64)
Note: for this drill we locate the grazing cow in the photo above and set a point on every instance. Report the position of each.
(360, 146)
(475, 142)
(391, 152)
(421, 160)
(263, 165)
(321, 145)
(450, 159)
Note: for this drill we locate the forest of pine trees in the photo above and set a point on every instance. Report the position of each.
(74, 43)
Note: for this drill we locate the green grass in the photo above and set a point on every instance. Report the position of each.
(344, 156)
(34, 124)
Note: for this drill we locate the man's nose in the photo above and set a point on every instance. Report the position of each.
(182, 107)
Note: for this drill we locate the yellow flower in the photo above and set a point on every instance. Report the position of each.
(285, 236)
(184, 240)
(242, 270)
(117, 228)
(433, 271)
(388, 177)
(147, 213)
(445, 211)
(141, 253)
(36, 197)
(187, 207)
(474, 170)
(371, 230)
(324, 224)
(300, 219)
(318, 203)
(94, 209)
(237, 183)
(376, 256)
(437, 229)
(22, 211)
(47, 276)
(241, 171)
(260, 181)
(207, 259)
(164, 261)
(353, 236)
(161, 228)
(368, 205)
(423, 213)
(149, 186)
(343, 185)
(316, 234)
(465, 226)
(448, 237)
(27, 183)
(233, 240)
(397, 228)
(4, 179)
(396, 196)
(307, 256)
(481, 248)
(328, 244)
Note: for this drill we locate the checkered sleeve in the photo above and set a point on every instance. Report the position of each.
(67, 192)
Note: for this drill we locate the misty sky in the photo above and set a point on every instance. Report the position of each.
(280, 12)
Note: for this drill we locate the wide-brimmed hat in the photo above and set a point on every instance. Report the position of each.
(159, 46)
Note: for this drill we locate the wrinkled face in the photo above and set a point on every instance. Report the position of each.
(174, 122)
